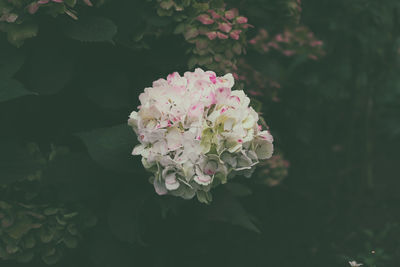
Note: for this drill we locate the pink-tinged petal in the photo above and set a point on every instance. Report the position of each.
(196, 110)
(213, 77)
(42, 2)
(171, 183)
(279, 38)
(236, 98)
(58, 1)
(241, 20)
(211, 35)
(225, 27)
(222, 36)
(205, 19)
(203, 179)
(223, 93)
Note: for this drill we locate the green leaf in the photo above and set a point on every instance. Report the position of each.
(91, 29)
(25, 257)
(112, 147)
(11, 59)
(20, 229)
(49, 69)
(109, 89)
(204, 197)
(124, 217)
(10, 89)
(18, 33)
(238, 190)
(70, 241)
(226, 208)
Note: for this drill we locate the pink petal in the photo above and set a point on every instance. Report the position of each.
(225, 27)
(205, 19)
(241, 20)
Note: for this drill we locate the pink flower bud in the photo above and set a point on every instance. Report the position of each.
(253, 41)
(313, 57)
(211, 35)
(235, 34)
(316, 43)
(222, 36)
(274, 45)
(58, 1)
(214, 14)
(279, 38)
(263, 33)
(230, 14)
(241, 19)
(42, 2)
(289, 53)
(225, 27)
(205, 19)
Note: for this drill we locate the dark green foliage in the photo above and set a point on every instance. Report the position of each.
(71, 73)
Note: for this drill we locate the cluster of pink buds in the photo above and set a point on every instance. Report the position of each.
(291, 42)
(219, 37)
(274, 171)
(34, 6)
(223, 24)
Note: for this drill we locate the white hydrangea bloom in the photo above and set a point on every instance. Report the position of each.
(195, 133)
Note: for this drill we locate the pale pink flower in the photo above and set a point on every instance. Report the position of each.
(225, 27)
(230, 14)
(205, 19)
(222, 36)
(235, 34)
(241, 19)
(211, 35)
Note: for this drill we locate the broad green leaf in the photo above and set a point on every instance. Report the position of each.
(91, 29)
(112, 147)
(10, 89)
(124, 217)
(238, 190)
(109, 89)
(49, 69)
(226, 208)
(11, 59)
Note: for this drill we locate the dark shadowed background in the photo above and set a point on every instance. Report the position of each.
(324, 75)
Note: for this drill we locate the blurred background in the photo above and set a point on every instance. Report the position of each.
(323, 74)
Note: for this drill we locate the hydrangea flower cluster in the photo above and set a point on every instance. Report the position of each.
(196, 133)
